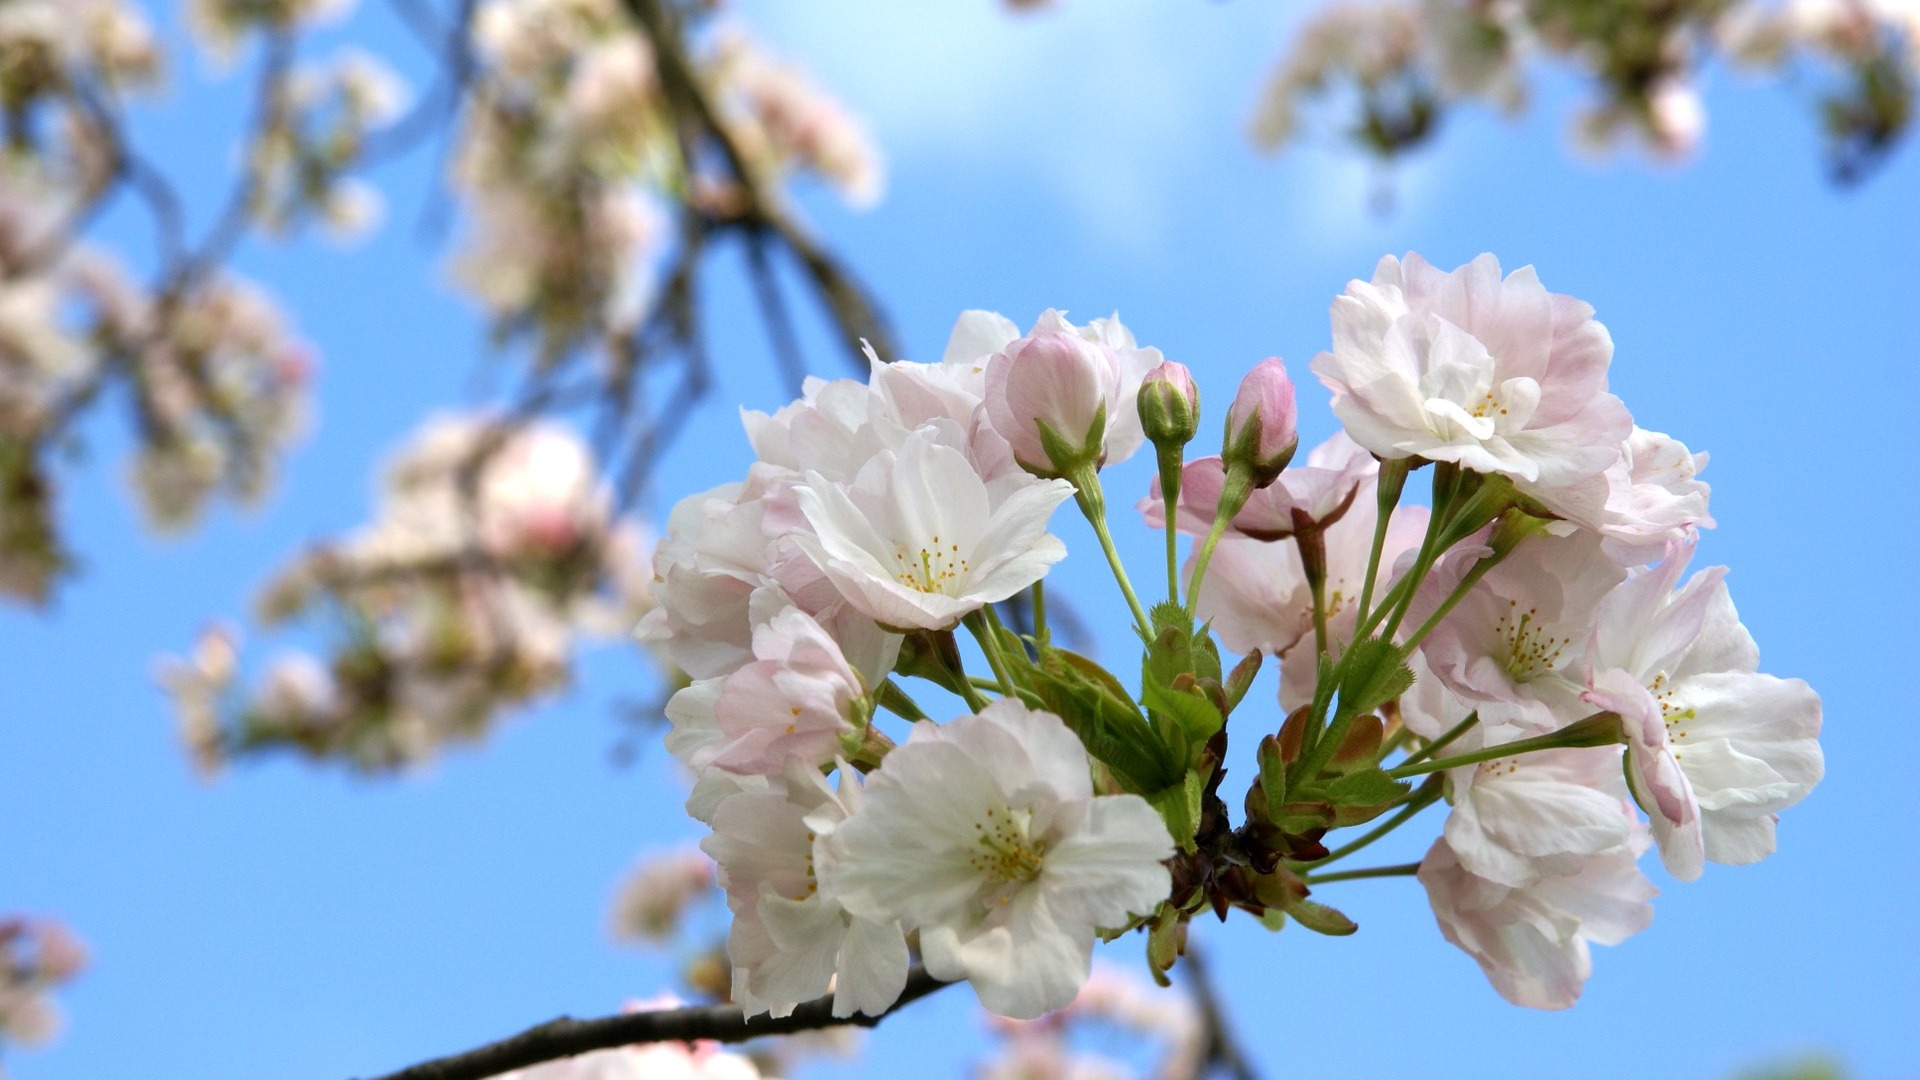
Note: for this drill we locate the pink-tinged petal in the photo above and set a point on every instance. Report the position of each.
(1659, 784)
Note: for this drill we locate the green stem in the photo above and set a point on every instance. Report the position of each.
(1446, 481)
(985, 634)
(1397, 870)
(1169, 460)
(1392, 481)
(1453, 599)
(1444, 740)
(1235, 488)
(1093, 504)
(1600, 729)
(1040, 613)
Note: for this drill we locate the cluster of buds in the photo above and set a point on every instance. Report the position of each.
(36, 955)
(570, 143)
(1407, 62)
(1525, 650)
(494, 548)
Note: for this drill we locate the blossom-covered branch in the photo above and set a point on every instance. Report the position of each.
(1398, 68)
(565, 1037)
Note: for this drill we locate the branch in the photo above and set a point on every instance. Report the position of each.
(851, 306)
(566, 1037)
(1222, 1052)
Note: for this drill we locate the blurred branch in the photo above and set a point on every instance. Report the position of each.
(847, 301)
(1222, 1051)
(566, 1037)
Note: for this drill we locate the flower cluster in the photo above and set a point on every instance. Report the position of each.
(495, 546)
(36, 955)
(1406, 62)
(1515, 649)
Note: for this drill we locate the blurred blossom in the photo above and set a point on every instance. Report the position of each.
(654, 900)
(36, 955)
(494, 548)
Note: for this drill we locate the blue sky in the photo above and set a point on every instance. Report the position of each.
(297, 922)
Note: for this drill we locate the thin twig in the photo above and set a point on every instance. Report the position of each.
(566, 1037)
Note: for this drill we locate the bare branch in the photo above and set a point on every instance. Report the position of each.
(566, 1037)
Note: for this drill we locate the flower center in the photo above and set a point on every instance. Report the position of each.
(1007, 855)
(1530, 650)
(1676, 717)
(932, 568)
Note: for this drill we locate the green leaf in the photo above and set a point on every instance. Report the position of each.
(1321, 919)
(1098, 709)
(1367, 787)
(1194, 715)
(1240, 679)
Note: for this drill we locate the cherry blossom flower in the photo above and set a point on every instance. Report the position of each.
(1532, 942)
(1654, 498)
(980, 336)
(797, 699)
(1258, 596)
(792, 940)
(1495, 374)
(1715, 749)
(1518, 820)
(984, 834)
(1514, 647)
(918, 540)
(1262, 422)
(656, 896)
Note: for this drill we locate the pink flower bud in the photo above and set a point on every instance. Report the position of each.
(1169, 405)
(1047, 396)
(1262, 425)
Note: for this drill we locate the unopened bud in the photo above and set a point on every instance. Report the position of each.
(1262, 424)
(1169, 405)
(1047, 396)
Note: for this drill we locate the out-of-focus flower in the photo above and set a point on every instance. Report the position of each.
(36, 955)
(653, 901)
(495, 546)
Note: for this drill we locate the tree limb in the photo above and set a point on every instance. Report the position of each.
(566, 1037)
